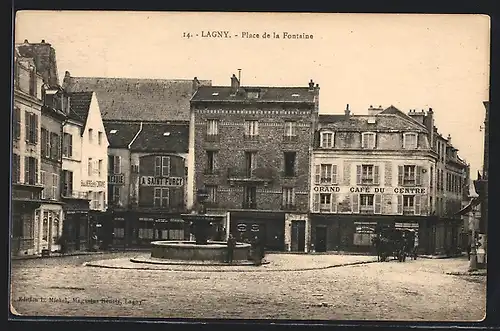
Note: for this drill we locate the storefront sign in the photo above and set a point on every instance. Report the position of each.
(409, 190)
(161, 181)
(117, 179)
(326, 189)
(161, 220)
(93, 183)
(255, 228)
(366, 189)
(242, 227)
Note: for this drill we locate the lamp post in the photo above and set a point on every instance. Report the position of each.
(473, 251)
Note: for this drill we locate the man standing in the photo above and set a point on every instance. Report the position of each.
(231, 242)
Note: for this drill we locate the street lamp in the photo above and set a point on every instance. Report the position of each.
(473, 251)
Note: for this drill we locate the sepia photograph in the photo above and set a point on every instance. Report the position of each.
(249, 166)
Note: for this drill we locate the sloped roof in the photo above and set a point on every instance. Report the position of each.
(266, 94)
(120, 134)
(138, 99)
(80, 105)
(394, 111)
(161, 137)
(44, 57)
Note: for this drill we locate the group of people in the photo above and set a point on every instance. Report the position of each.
(257, 251)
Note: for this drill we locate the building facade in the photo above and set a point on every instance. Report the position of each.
(26, 155)
(375, 170)
(252, 148)
(147, 177)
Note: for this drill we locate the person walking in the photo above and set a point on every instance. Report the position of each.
(231, 243)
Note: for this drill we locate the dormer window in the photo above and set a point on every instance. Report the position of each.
(368, 140)
(327, 139)
(410, 140)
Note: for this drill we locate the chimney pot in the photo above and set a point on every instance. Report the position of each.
(43, 41)
(26, 41)
(347, 107)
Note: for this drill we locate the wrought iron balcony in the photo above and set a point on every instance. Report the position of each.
(71, 194)
(291, 139)
(258, 175)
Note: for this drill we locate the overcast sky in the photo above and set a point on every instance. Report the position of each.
(409, 61)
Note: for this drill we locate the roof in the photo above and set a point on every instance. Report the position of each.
(392, 120)
(266, 94)
(161, 137)
(120, 134)
(80, 105)
(44, 56)
(138, 99)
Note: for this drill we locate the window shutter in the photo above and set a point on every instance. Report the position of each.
(424, 205)
(26, 169)
(358, 174)
(376, 175)
(400, 175)
(418, 175)
(70, 181)
(70, 145)
(417, 204)
(317, 174)
(334, 174)
(378, 203)
(400, 204)
(315, 203)
(355, 203)
(27, 126)
(35, 128)
(334, 203)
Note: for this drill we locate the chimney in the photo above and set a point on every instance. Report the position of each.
(43, 41)
(449, 138)
(68, 105)
(235, 85)
(428, 121)
(311, 85)
(347, 111)
(196, 84)
(26, 41)
(417, 116)
(239, 75)
(373, 111)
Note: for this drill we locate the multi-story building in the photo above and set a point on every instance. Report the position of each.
(375, 170)
(252, 148)
(26, 154)
(146, 181)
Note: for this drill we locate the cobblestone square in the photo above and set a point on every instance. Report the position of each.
(291, 286)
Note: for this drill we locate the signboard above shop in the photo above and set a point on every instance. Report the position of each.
(369, 189)
(117, 179)
(92, 183)
(161, 181)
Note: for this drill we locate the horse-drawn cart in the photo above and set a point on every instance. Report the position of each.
(399, 243)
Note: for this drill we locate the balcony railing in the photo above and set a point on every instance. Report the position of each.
(71, 194)
(366, 209)
(215, 138)
(408, 211)
(288, 206)
(262, 175)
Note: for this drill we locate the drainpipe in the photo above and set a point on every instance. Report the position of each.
(130, 163)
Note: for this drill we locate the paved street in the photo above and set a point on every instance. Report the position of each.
(415, 290)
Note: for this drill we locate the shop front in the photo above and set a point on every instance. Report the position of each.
(268, 227)
(25, 200)
(75, 229)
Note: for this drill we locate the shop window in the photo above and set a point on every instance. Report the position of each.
(175, 234)
(146, 233)
(409, 175)
(364, 233)
(367, 174)
(119, 233)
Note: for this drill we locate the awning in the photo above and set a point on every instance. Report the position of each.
(473, 203)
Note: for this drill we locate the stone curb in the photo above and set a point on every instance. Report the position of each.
(91, 264)
(33, 257)
(468, 273)
(187, 263)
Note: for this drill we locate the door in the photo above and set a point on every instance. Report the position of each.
(298, 236)
(320, 243)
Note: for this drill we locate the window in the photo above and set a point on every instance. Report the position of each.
(55, 184)
(326, 139)
(99, 167)
(212, 127)
(16, 128)
(290, 164)
(211, 166)
(31, 127)
(251, 129)
(431, 177)
(325, 202)
(250, 197)
(115, 194)
(91, 133)
(114, 164)
(45, 148)
(54, 146)
(288, 197)
(410, 140)
(162, 166)
(161, 197)
(67, 183)
(368, 140)
(16, 168)
(409, 175)
(67, 145)
(250, 163)
(290, 130)
(30, 170)
(89, 167)
(367, 174)
(212, 193)
(99, 137)
(366, 203)
(43, 180)
(409, 204)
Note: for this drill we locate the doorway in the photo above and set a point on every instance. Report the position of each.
(298, 243)
(320, 242)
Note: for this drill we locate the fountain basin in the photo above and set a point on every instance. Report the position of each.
(190, 251)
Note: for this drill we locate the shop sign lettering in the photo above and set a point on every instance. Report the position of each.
(161, 181)
(327, 189)
(409, 190)
(93, 183)
(366, 189)
(242, 227)
(118, 179)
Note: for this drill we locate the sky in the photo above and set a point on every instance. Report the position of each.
(410, 61)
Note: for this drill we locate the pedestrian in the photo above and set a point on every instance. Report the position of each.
(231, 242)
(257, 253)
